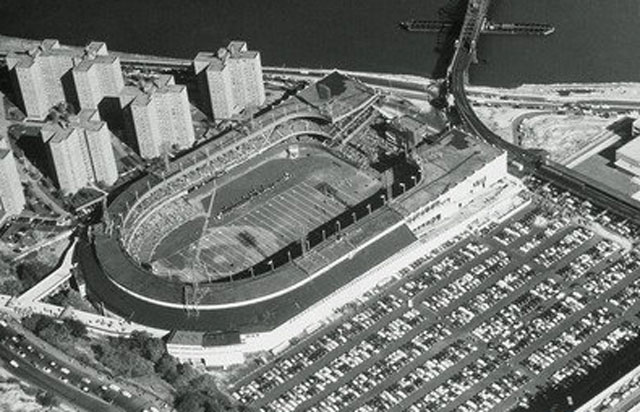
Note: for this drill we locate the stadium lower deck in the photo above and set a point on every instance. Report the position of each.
(482, 324)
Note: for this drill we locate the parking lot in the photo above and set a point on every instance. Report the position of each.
(479, 325)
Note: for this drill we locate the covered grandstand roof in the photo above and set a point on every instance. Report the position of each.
(337, 95)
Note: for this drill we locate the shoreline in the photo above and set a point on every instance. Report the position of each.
(13, 44)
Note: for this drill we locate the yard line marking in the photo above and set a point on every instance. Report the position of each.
(301, 217)
(293, 223)
(235, 244)
(268, 215)
(258, 233)
(319, 209)
(328, 200)
(229, 253)
(286, 215)
(303, 211)
(258, 225)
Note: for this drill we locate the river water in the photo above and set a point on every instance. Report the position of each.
(595, 40)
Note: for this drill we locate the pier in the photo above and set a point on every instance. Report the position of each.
(426, 26)
(488, 27)
(531, 29)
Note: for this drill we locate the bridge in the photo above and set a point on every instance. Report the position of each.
(530, 161)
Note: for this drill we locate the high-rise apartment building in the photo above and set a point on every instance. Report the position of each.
(157, 116)
(246, 74)
(97, 75)
(229, 80)
(80, 151)
(12, 200)
(40, 74)
(50, 74)
(215, 86)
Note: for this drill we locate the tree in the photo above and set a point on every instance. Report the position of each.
(167, 368)
(206, 383)
(57, 334)
(76, 328)
(37, 322)
(191, 402)
(121, 360)
(147, 346)
(31, 271)
(6, 268)
(11, 286)
(72, 298)
(46, 399)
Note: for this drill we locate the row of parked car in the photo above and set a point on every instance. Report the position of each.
(287, 367)
(516, 313)
(470, 280)
(383, 336)
(571, 204)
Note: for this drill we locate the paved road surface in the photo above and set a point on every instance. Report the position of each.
(51, 373)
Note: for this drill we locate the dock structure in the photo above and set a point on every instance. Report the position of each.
(488, 27)
(426, 26)
(532, 29)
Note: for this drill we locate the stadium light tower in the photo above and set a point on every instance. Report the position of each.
(207, 218)
(196, 261)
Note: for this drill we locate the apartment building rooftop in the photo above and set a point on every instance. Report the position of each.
(60, 130)
(141, 90)
(217, 61)
(94, 52)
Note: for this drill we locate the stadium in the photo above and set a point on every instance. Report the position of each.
(239, 240)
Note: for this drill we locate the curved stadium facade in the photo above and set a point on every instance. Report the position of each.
(270, 290)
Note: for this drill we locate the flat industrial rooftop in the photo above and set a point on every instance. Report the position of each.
(449, 161)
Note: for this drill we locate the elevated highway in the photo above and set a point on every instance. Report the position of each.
(531, 161)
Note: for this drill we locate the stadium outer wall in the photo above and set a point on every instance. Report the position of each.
(383, 257)
(279, 339)
(306, 322)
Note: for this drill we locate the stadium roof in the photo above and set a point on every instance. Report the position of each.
(631, 149)
(446, 163)
(337, 95)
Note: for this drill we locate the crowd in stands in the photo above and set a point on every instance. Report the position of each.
(137, 231)
(156, 225)
(137, 227)
(347, 127)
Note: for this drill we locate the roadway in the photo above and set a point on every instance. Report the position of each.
(531, 161)
(27, 360)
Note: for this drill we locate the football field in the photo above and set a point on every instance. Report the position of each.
(260, 212)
